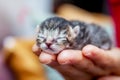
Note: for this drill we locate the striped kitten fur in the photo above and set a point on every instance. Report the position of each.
(56, 34)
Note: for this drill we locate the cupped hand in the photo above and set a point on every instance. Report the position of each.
(108, 60)
(71, 64)
(62, 62)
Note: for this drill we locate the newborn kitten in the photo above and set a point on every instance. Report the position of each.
(56, 34)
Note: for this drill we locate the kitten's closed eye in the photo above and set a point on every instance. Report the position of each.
(41, 39)
(61, 39)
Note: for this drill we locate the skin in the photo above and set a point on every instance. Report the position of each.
(106, 60)
(59, 63)
(87, 64)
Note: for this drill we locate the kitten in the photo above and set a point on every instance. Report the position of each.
(56, 34)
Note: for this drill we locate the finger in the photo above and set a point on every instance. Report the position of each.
(110, 78)
(69, 56)
(79, 62)
(46, 58)
(99, 56)
(36, 49)
(89, 67)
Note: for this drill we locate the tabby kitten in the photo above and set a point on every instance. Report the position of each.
(56, 34)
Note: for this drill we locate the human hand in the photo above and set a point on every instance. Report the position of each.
(71, 64)
(107, 60)
(62, 63)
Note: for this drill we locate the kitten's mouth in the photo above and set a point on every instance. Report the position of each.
(50, 49)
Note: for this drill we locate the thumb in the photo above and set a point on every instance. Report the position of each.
(99, 56)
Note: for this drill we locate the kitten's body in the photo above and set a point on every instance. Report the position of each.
(91, 34)
(56, 34)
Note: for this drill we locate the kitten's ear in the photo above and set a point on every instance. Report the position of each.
(76, 30)
(73, 31)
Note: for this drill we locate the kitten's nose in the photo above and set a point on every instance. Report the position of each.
(48, 44)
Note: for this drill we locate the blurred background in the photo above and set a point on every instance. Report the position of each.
(19, 18)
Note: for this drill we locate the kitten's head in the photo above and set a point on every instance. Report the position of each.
(55, 34)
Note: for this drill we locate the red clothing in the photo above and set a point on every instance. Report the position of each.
(115, 12)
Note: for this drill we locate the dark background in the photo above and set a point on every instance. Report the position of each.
(98, 6)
